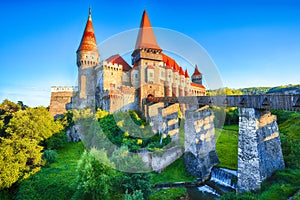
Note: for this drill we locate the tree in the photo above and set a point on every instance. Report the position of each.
(133, 177)
(20, 152)
(95, 176)
(7, 108)
(19, 158)
(33, 123)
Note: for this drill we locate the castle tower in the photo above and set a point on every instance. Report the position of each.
(146, 58)
(88, 57)
(197, 76)
(187, 85)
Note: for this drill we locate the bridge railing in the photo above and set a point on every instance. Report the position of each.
(267, 102)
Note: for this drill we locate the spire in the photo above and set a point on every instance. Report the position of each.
(146, 37)
(186, 74)
(196, 72)
(88, 41)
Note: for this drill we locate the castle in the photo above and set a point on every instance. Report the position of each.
(113, 84)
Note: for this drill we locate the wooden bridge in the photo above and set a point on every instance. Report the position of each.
(266, 102)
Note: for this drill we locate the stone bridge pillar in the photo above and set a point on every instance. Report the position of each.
(259, 148)
(200, 142)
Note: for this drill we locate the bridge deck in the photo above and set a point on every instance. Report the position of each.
(267, 102)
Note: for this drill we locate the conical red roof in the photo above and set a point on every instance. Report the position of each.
(196, 72)
(88, 41)
(181, 72)
(186, 74)
(146, 37)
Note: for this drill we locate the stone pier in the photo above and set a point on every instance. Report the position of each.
(200, 142)
(259, 148)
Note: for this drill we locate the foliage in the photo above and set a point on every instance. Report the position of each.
(56, 141)
(127, 128)
(19, 157)
(136, 195)
(7, 108)
(255, 90)
(283, 89)
(101, 113)
(20, 152)
(224, 91)
(50, 156)
(132, 169)
(33, 123)
(95, 175)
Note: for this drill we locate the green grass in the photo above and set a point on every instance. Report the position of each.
(56, 181)
(227, 146)
(173, 173)
(169, 194)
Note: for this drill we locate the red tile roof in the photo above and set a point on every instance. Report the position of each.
(170, 63)
(120, 61)
(146, 37)
(197, 85)
(88, 41)
(196, 72)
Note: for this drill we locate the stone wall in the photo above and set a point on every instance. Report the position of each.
(60, 96)
(159, 161)
(163, 119)
(200, 142)
(259, 148)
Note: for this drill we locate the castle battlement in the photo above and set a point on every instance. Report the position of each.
(64, 88)
(114, 66)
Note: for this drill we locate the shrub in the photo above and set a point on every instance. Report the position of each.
(57, 141)
(50, 156)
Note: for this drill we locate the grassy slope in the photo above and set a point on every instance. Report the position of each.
(227, 146)
(55, 182)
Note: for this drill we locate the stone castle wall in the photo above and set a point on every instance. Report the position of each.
(60, 97)
(159, 161)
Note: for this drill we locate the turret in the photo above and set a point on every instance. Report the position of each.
(87, 58)
(146, 53)
(197, 76)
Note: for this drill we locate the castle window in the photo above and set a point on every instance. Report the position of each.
(136, 76)
(112, 73)
(151, 74)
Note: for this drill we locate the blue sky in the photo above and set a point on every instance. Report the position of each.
(252, 43)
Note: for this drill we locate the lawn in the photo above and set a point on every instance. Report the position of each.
(227, 146)
(56, 181)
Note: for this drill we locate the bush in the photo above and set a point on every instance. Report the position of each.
(136, 195)
(50, 156)
(57, 141)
